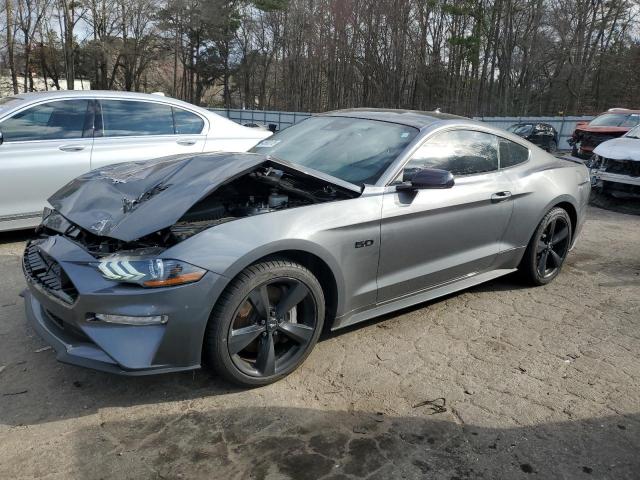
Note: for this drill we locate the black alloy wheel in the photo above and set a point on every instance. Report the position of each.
(272, 328)
(548, 247)
(266, 323)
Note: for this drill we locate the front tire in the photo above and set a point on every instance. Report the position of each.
(265, 323)
(548, 248)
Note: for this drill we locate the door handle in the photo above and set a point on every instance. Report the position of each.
(500, 197)
(71, 148)
(186, 142)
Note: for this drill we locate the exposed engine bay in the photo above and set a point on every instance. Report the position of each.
(265, 189)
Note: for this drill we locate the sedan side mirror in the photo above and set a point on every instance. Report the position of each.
(1, 139)
(428, 178)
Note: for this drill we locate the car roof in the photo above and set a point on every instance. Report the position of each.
(412, 118)
(620, 110)
(54, 94)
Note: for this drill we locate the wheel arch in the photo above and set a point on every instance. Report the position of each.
(567, 203)
(573, 215)
(322, 264)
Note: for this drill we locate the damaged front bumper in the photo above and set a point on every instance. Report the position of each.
(67, 322)
(618, 177)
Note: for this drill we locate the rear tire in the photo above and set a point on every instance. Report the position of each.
(250, 343)
(553, 147)
(548, 248)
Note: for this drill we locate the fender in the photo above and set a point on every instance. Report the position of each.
(297, 245)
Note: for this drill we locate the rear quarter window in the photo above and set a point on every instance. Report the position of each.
(187, 123)
(512, 154)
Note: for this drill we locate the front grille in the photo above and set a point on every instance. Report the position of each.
(46, 272)
(595, 139)
(622, 167)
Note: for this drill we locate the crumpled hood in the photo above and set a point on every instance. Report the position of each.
(127, 201)
(623, 148)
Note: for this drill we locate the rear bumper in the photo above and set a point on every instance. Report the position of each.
(122, 349)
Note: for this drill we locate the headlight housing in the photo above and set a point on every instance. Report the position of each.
(149, 272)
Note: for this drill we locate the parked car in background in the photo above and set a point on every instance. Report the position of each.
(240, 260)
(541, 134)
(614, 123)
(272, 127)
(50, 138)
(616, 165)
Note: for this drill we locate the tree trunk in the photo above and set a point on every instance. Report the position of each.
(10, 46)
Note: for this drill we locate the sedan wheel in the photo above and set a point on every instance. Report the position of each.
(548, 247)
(266, 323)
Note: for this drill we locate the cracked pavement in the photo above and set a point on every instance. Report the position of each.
(536, 382)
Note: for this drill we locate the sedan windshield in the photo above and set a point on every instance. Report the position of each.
(615, 120)
(354, 150)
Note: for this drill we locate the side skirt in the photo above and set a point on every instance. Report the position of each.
(420, 297)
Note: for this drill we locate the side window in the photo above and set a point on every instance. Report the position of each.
(187, 123)
(461, 152)
(511, 153)
(122, 118)
(62, 119)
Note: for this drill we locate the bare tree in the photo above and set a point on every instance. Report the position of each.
(11, 45)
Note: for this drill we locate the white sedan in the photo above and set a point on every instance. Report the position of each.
(49, 138)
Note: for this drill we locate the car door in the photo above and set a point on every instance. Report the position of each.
(431, 237)
(44, 146)
(130, 130)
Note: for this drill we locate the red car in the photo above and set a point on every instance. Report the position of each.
(614, 123)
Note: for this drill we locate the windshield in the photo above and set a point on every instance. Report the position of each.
(634, 132)
(521, 129)
(615, 120)
(352, 149)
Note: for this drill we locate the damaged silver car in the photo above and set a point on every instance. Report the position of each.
(239, 261)
(616, 166)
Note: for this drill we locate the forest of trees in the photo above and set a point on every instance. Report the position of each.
(481, 57)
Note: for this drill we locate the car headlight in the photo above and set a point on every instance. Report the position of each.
(150, 272)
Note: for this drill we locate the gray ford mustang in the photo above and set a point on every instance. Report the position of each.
(238, 261)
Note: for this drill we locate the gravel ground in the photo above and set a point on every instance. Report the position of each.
(524, 383)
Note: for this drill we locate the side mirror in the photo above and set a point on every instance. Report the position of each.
(1, 139)
(428, 178)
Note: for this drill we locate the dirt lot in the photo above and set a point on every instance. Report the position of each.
(538, 382)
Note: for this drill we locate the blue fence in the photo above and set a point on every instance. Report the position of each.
(262, 117)
(564, 125)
